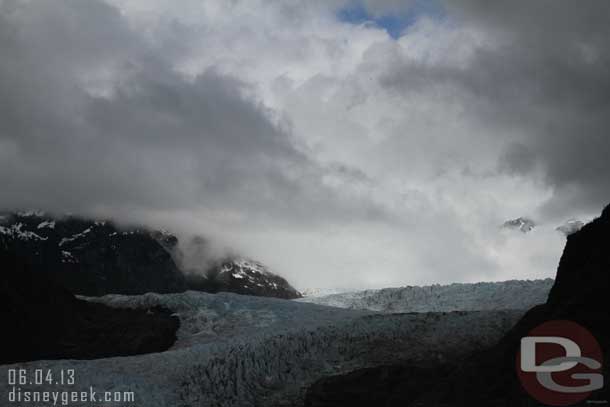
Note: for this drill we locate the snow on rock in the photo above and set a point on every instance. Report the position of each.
(129, 259)
(512, 294)
(31, 213)
(522, 224)
(250, 351)
(74, 237)
(89, 256)
(16, 231)
(46, 224)
(243, 269)
(67, 257)
(243, 276)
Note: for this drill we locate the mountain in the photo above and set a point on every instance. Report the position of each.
(91, 257)
(242, 276)
(512, 294)
(526, 225)
(97, 257)
(488, 376)
(522, 224)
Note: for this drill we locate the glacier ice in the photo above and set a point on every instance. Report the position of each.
(235, 350)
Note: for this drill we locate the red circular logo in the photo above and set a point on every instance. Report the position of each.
(559, 363)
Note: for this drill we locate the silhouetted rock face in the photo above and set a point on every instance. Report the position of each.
(488, 378)
(583, 276)
(41, 320)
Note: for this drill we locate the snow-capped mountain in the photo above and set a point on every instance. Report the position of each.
(514, 294)
(242, 276)
(526, 225)
(97, 257)
(522, 224)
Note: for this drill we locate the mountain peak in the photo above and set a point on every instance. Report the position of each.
(522, 224)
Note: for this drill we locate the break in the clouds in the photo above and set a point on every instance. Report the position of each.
(344, 143)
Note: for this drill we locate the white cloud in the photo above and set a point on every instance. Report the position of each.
(371, 161)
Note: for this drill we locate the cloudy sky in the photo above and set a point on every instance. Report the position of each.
(361, 143)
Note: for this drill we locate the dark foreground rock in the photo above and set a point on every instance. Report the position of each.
(363, 387)
(488, 377)
(42, 320)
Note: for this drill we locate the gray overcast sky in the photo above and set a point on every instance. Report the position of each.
(343, 143)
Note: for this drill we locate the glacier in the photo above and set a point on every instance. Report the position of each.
(512, 294)
(236, 350)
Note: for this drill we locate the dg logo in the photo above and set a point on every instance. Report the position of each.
(559, 363)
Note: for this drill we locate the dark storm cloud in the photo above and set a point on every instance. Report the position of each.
(91, 117)
(543, 75)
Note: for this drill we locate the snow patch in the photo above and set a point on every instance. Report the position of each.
(46, 224)
(522, 224)
(67, 257)
(65, 240)
(27, 214)
(16, 231)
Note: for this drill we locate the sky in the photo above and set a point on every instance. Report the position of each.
(343, 143)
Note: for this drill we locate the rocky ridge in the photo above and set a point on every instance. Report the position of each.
(97, 257)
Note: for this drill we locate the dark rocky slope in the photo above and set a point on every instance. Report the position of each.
(42, 320)
(242, 276)
(91, 257)
(488, 377)
(96, 258)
